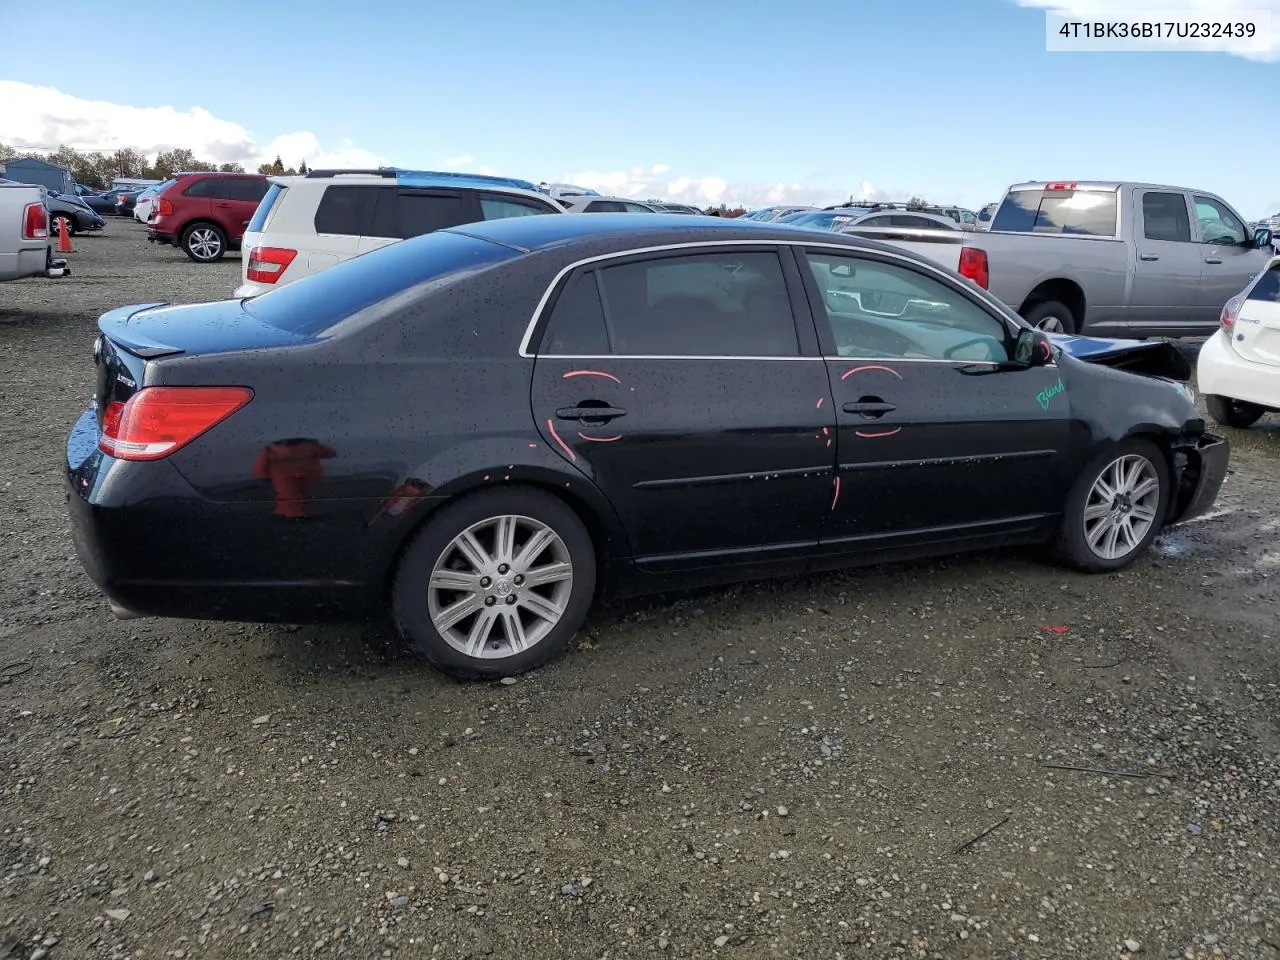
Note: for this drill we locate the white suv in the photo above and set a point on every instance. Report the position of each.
(306, 224)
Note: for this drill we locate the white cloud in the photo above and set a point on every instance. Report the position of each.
(1211, 10)
(42, 118)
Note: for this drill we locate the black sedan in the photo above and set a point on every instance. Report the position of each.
(482, 430)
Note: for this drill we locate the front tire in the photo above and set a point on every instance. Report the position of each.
(1115, 508)
(1233, 413)
(1052, 316)
(204, 242)
(71, 224)
(495, 583)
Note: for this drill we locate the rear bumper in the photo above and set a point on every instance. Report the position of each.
(251, 289)
(156, 548)
(30, 261)
(1201, 465)
(1223, 372)
(159, 236)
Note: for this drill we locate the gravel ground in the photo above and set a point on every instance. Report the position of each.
(798, 769)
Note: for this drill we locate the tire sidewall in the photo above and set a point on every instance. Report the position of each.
(186, 241)
(1052, 308)
(1072, 545)
(409, 584)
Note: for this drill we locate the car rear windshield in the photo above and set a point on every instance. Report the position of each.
(315, 303)
(274, 193)
(1081, 213)
(1268, 286)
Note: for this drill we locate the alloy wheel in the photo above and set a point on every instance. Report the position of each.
(1051, 324)
(1121, 507)
(204, 243)
(500, 587)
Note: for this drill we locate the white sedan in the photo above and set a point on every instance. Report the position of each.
(1238, 369)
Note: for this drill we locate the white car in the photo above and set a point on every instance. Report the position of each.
(596, 204)
(308, 223)
(146, 200)
(1238, 369)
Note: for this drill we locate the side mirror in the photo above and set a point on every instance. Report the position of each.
(1262, 237)
(1032, 348)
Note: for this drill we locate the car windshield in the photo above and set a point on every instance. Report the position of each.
(315, 303)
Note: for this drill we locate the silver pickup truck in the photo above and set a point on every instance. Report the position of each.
(1117, 259)
(25, 249)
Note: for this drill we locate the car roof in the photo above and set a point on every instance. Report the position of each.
(586, 198)
(622, 231)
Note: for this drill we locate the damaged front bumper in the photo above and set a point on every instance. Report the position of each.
(1200, 465)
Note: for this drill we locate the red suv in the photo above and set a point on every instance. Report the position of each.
(205, 213)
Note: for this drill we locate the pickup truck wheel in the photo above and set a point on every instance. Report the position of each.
(1115, 508)
(1233, 413)
(204, 242)
(1051, 317)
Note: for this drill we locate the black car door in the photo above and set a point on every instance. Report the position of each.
(680, 382)
(938, 437)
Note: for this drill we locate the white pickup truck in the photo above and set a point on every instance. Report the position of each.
(25, 249)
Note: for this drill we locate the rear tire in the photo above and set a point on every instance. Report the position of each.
(1052, 316)
(204, 242)
(1233, 413)
(1115, 508)
(494, 584)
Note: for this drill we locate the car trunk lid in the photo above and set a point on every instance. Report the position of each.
(1255, 335)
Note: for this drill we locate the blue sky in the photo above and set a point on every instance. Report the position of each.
(748, 100)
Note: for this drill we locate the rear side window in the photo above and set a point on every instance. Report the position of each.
(604, 206)
(499, 208)
(244, 188)
(1165, 217)
(327, 298)
(1082, 213)
(577, 326)
(205, 187)
(719, 304)
(273, 195)
(344, 210)
(401, 214)
(1267, 289)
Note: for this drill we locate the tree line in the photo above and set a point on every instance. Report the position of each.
(97, 169)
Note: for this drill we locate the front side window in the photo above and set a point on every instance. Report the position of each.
(882, 310)
(1164, 217)
(716, 304)
(499, 208)
(1218, 225)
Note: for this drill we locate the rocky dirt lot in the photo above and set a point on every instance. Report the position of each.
(900, 762)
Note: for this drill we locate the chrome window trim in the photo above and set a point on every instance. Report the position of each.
(994, 306)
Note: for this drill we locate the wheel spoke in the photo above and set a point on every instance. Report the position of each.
(504, 539)
(548, 573)
(533, 547)
(1133, 474)
(1104, 490)
(1094, 534)
(1109, 542)
(1128, 534)
(1096, 511)
(460, 580)
(514, 628)
(475, 554)
(481, 630)
(1145, 488)
(1143, 514)
(540, 606)
(457, 611)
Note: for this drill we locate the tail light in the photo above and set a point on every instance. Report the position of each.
(973, 266)
(35, 222)
(267, 263)
(162, 208)
(1230, 312)
(156, 421)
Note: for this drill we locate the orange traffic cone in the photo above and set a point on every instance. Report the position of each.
(64, 236)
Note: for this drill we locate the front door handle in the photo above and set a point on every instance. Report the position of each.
(1148, 256)
(222, 204)
(1212, 259)
(603, 414)
(870, 408)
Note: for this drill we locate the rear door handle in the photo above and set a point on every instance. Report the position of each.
(1148, 256)
(873, 408)
(589, 413)
(1212, 259)
(222, 204)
